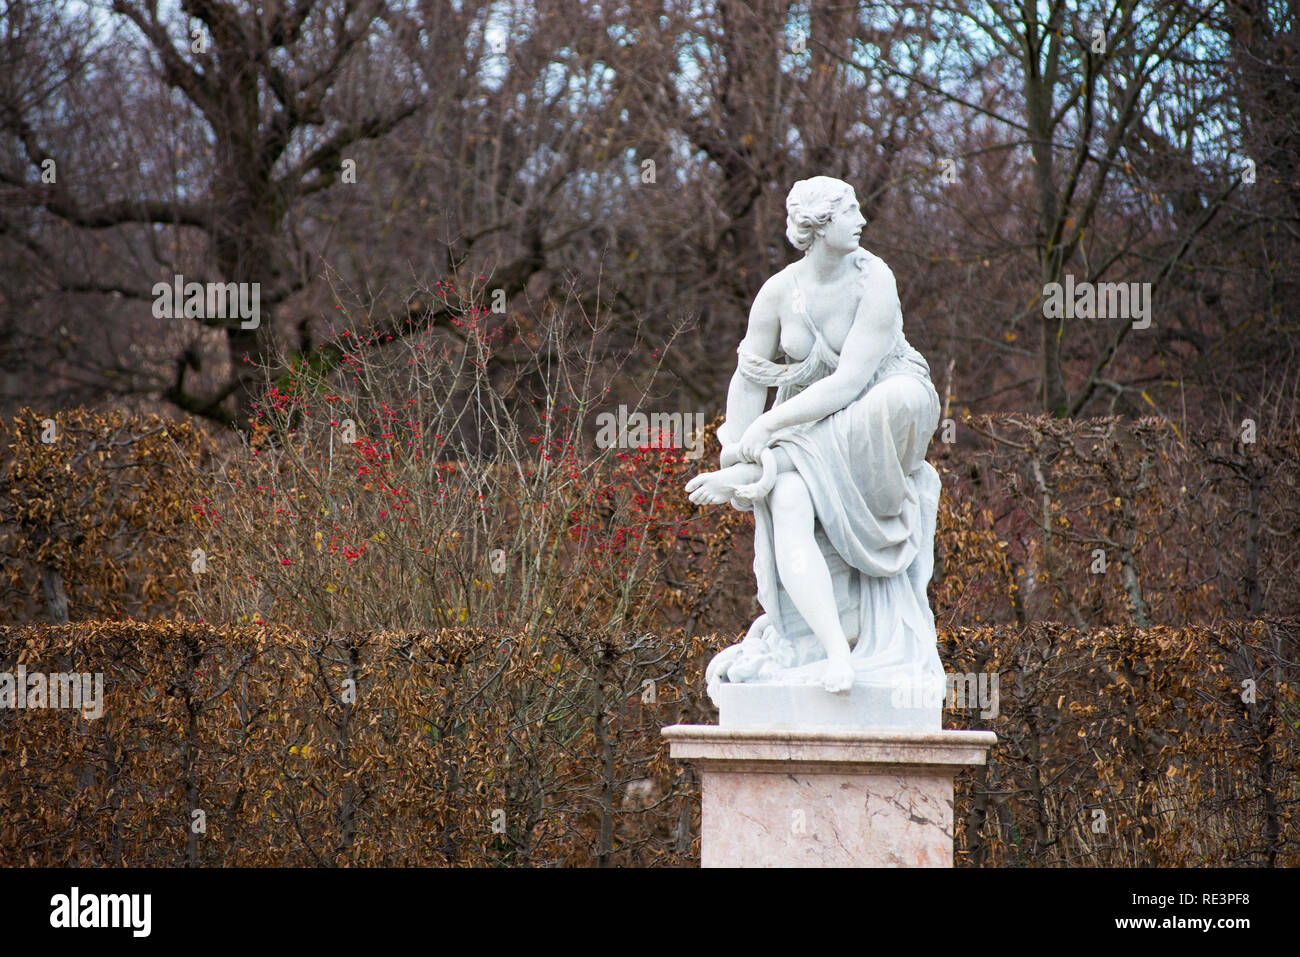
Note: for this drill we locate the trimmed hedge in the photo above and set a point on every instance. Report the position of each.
(264, 746)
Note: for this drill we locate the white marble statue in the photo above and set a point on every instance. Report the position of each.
(844, 501)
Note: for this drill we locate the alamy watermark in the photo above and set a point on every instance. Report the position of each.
(958, 692)
(80, 691)
(664, 430)
(1098, 300)
(214, 300)
(75, 909)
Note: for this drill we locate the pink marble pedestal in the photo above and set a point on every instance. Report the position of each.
(826, 798)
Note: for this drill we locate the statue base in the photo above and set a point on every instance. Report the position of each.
(864, 707)
(828, 797)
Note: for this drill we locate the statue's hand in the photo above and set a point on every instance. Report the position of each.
(755, 440)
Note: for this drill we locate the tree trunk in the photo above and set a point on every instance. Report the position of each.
(56, 598)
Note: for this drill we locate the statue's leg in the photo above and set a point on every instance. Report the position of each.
(897, 419)
(805, 576)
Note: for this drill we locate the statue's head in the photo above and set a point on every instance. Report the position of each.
(823, 209)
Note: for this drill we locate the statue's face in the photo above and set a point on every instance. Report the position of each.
(842, 233)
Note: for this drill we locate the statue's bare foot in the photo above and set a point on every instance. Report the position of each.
(714, 488)
(838, 676)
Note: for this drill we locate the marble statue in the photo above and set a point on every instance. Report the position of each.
(844, 501)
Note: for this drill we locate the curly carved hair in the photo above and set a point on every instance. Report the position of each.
(810, 205)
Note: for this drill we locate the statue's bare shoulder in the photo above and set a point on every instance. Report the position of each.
(776, 291)
(771, 303)
(878, 274)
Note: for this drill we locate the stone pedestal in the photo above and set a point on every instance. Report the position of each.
(864, 707)
(826, 798)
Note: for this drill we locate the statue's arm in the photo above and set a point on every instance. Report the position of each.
(745, 399)
(865, 346)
